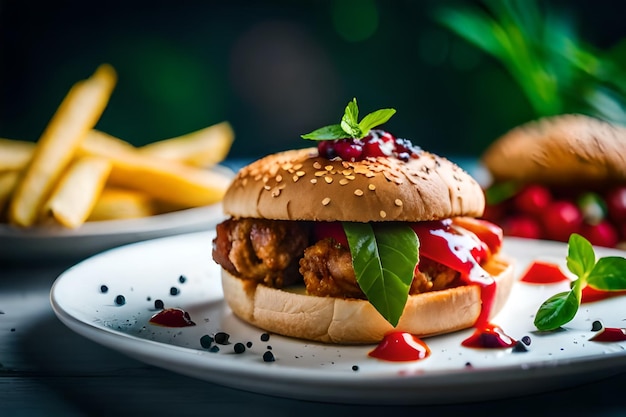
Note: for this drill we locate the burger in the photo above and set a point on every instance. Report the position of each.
(359, 236)
(559, 175)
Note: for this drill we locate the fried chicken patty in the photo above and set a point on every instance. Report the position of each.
(266, 251)
(327, 271)
(278, 253)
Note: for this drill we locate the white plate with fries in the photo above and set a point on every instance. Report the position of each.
(57, 243)
(78, 190)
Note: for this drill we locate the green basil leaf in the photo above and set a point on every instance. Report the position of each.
(351, 114)
(349, 126)
(384, 259)
(556, 311)
(580, 256)
(331, 132)
(609, 274)
(351, 129)
(374, 119)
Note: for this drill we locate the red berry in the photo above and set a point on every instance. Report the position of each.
(616, 204)
(561, 219)
(601, 234)
(374, 147)
(533, 199)
(349, 149)
(522, 226)
(325, 149)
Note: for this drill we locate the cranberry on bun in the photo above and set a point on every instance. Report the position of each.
(359, 236)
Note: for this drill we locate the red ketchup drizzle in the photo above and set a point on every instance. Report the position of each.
(461, 250)
(610, 334)
(591, 294)
(400, 347)
(172, 317)
(540, 272)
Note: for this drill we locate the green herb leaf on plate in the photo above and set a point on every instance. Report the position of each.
(384, 258)
(557, 311)
(607, 274)
(580, 256)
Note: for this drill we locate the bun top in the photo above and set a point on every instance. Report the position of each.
(301, 185)
(570, 149)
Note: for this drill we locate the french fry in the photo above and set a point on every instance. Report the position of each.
(8, 181)
(202, 148)
(117, 203)
(15, 154)
(169, 181)
(77, 114)
(78, 190)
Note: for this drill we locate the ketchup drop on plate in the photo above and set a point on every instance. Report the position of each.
(172, 317)
(489, 336)
(610, 334)
(541, 272)
(591, 294)
(400, 347)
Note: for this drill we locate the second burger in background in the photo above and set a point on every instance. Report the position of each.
(363, 234)
(557, 176)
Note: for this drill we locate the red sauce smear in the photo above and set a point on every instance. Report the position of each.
(462, 250)
(541, 272)
(489, 336)
(172, 317)
(610, 334)
(591, 294)
(400, 347)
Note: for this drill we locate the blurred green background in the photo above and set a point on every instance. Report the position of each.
(278, 69)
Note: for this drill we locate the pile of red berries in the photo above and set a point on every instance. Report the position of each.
(539, 212)
(376, 143)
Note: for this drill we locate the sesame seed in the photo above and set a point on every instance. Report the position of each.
(328, 179)
(300, 173)
(326, 201)
(279, 178)
(267, 187)
(320, 173)
(358, 192)
(371, 187)
(398, 202)
(328, 167)
(295, 178)
(275, 192)
(297, 166)
(343, 181)
(313, 180)
(383, 214)
(287, 166)
(316, 165)
(350, 177)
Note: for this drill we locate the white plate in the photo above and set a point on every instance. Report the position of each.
(144, 272)
(60, 243)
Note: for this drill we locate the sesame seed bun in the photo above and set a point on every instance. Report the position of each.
(291, 312)
(301, 185)
(570, 149)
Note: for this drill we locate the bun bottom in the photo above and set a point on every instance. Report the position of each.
(291, 312)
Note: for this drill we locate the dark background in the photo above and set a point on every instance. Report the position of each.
(273, 69)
